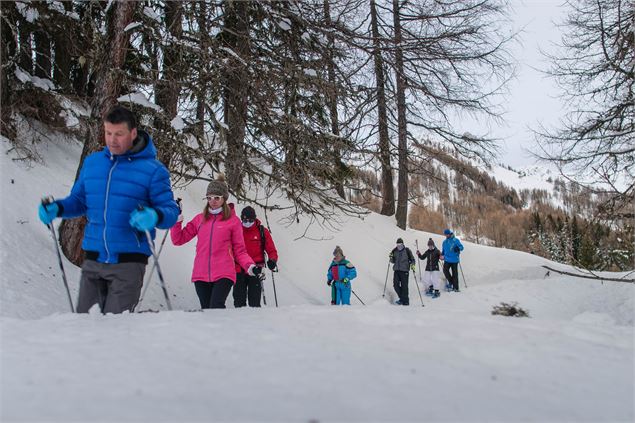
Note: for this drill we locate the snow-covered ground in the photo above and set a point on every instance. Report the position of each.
(451, 360)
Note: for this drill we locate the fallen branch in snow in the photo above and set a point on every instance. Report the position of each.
(512, 310)
(562, 272)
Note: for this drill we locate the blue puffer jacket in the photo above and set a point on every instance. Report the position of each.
(109, 188)
(338, 271)
(449, 255)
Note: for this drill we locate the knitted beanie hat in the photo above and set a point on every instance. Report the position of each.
(248, 213)
(218, 187)
(430, 243)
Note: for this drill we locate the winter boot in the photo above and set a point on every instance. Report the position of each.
(436, 294)
(430, 290)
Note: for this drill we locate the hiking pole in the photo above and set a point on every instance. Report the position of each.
(154, 263)
(159, 273)
(45, 202)
(461, 268)
(273, 282)
(360, 300)
(261, 278)
(417, 286)
(418, 259)
(386, 283)
(156, 260)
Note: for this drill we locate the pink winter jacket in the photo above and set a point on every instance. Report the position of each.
(220, 243)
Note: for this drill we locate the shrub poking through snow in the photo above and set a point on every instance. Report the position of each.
(512, 310)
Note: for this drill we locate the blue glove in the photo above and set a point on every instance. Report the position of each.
(48, 212)
(456, 249)
(144, 220)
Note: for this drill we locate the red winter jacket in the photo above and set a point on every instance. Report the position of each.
(219, 245)
(254, 246)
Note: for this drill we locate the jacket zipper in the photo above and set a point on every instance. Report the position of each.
(106, 209)
(209, 258)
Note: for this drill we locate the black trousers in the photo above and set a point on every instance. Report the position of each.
(247, 288)
(453, 277)
(213, 294)
(400, 283)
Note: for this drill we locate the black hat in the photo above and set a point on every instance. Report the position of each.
(430, 242)
(399, 241)
(248, 213)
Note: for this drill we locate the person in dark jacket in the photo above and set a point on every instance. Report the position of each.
(123, 191)
(249, 288)
(431, 275)
(450, 251)
(403, 261)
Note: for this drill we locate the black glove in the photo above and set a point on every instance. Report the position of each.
(178, 203)
(329, 282)
(257, 270)
(271, 264)
(456, 249)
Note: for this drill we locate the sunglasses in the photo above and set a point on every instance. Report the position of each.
(213, 197)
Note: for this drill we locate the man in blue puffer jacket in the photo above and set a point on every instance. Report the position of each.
(123, 190)
(450, 252)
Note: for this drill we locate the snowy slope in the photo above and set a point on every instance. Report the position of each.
(530, 177)
(450, 360)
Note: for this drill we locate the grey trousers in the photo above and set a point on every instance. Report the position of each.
(115, 287)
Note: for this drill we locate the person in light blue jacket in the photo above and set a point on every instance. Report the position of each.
(339, 276)
(450, 252)
(124, 192)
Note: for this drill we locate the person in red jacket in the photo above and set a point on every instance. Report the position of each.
(258, 241)
(219, 246)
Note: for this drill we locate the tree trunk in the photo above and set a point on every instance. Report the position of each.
(236, 37)
(8, 49)
(388, 189)
(25, 60)
(107, 90)
(42, 54)
(332, 103)
(201, 19)
(168, 88)
(62, 67)
(402, 130)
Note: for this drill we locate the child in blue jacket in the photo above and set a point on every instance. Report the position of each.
(339, 276)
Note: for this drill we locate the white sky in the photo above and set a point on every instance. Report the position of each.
(533, 97)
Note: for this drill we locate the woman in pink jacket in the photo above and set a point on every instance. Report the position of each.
(220, 243)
